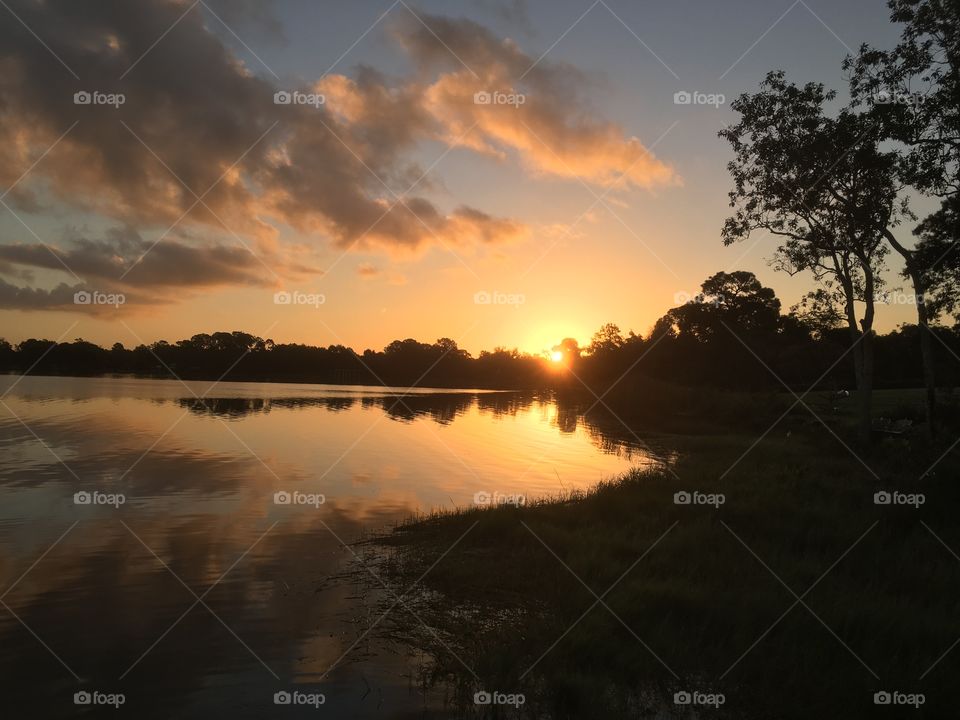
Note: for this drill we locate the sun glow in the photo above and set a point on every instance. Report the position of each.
(556, 356)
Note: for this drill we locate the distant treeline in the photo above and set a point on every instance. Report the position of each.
(731, 336)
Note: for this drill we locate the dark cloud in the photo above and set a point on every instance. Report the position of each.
(200, 123)
(132, 262)
(200, 149)
(72, 298)
(148, 273)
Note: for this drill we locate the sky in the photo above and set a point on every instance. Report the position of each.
(499, 172)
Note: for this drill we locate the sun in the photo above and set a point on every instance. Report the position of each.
(556, 356)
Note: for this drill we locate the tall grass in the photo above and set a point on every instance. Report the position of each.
(713, 606)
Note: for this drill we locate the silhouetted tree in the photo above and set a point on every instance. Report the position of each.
(728, 301)
(912, 93)
(821, 186)
(818, 311)
(606, 340)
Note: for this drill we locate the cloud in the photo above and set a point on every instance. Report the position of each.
(149, 273)
(133, 261)
(543, 124)
(67, 298)
(200, 149)
(197, 122)
(367, 270)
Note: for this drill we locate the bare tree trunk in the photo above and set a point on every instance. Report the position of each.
(929, 369)
(866, 327)
(866, 391)
(862, 369)
(860, 335)
(923, 325)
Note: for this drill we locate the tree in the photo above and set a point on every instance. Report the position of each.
(728, 302)
(818, 311)
(606, 340)
(569, 350)
(824, 189)
(6, 353)
(912, 93)
(938, 252)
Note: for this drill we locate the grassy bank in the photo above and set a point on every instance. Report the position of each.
(696, 597)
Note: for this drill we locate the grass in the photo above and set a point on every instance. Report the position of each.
(707, 607)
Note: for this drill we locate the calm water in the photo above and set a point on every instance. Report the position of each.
(196, 594)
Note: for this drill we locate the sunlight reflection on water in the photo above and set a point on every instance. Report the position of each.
(198, 480)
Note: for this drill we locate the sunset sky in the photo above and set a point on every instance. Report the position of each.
(400, 199)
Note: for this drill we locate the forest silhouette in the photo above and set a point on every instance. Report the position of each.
(733, 335)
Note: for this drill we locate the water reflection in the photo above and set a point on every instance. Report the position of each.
(198, 596)
(607, 432)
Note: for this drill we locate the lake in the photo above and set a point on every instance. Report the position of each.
(188, 548)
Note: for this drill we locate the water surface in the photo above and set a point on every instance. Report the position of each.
(199, 595)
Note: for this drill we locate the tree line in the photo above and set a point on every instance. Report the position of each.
(733, 335)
